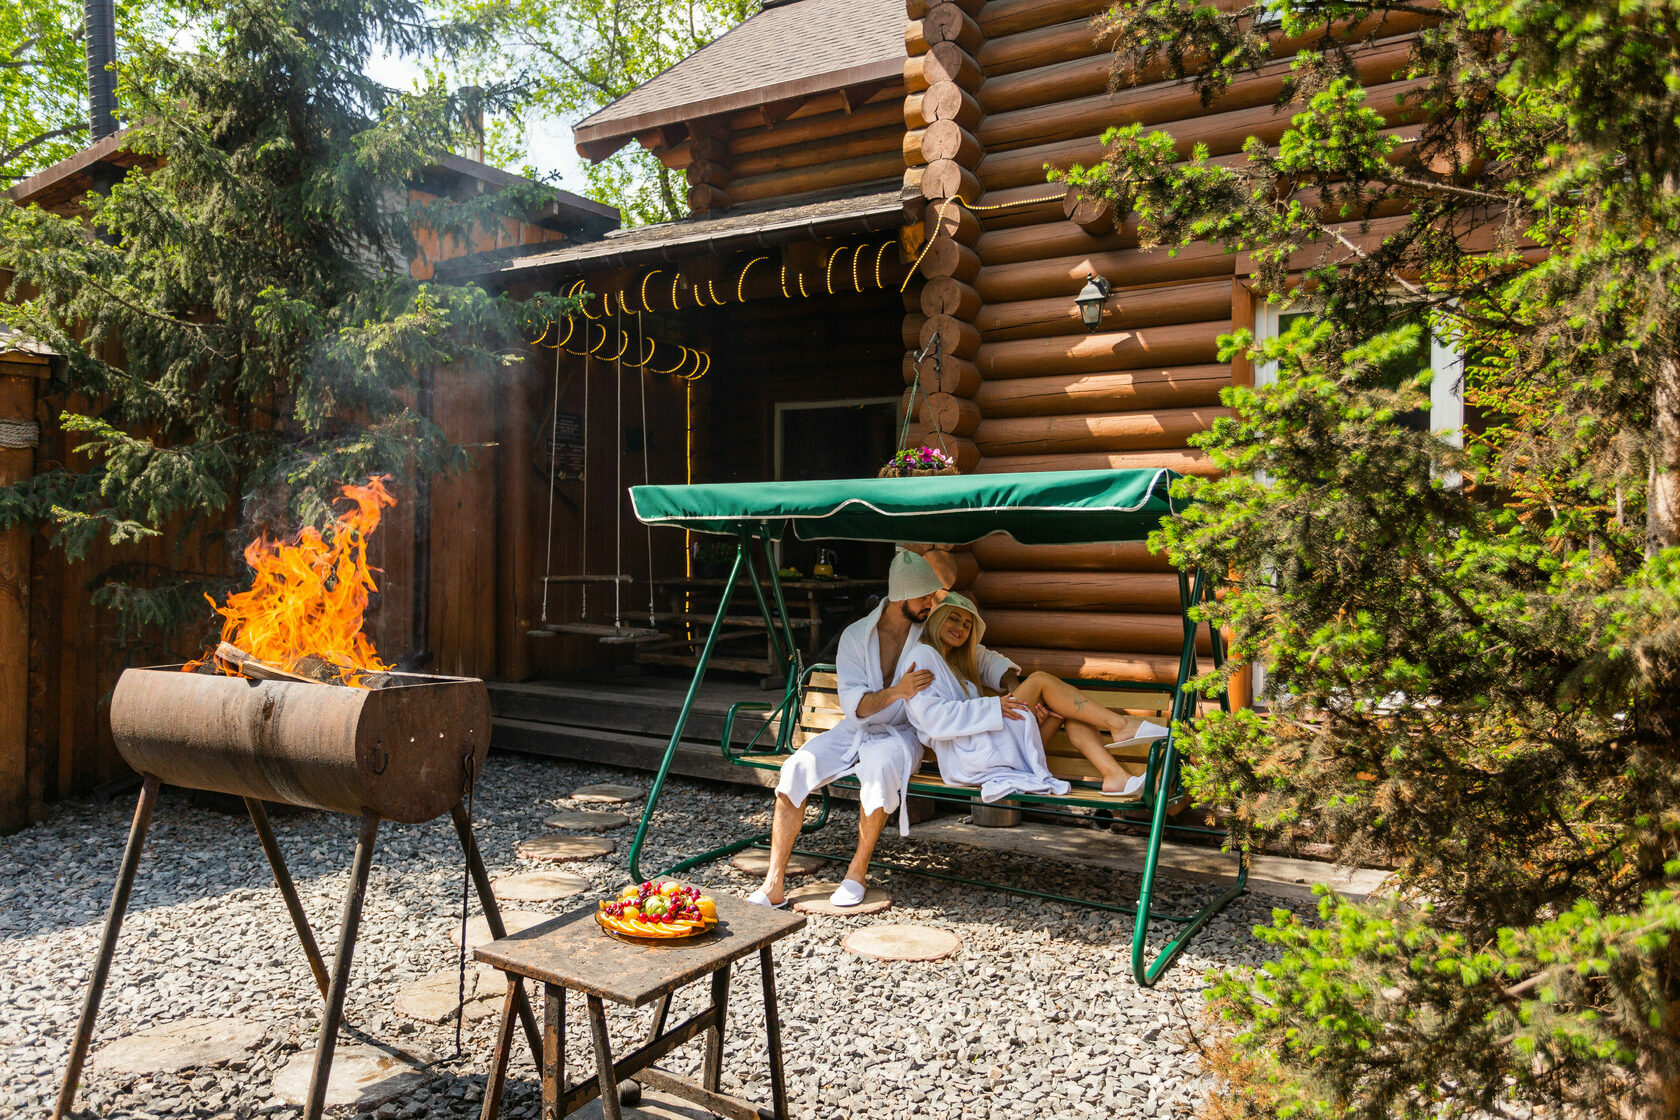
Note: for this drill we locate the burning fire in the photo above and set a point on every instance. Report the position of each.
(308, 595)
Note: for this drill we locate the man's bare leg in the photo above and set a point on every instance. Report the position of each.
(1090, 744)
(869, 831)
(784, 830)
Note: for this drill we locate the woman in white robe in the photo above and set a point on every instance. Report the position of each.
(980, 738)
(997, 741)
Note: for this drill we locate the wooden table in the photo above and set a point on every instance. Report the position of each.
(573, 953)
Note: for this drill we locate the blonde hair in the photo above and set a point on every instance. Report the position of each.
(964, 660)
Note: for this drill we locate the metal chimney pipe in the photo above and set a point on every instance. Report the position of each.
(100, 22)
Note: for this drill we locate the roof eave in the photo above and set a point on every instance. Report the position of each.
(599, 140)
(550, 263)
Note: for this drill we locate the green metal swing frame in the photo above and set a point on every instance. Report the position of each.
(756, 537)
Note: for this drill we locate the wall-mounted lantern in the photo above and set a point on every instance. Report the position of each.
(1091, 299)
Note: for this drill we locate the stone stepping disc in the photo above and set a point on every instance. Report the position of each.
(813, 899)
(478, 930)
(431, 999)
(902, 943)
(607, 793)
(585, 818)
(755, 862)
(539, 886)
(185, 1044)
(565, 849)
(364, 1076)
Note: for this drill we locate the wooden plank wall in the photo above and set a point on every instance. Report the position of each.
(997, 92)
(59, 654)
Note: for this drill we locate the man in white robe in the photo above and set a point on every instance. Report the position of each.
(874, 742)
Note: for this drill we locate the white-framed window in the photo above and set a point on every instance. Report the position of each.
(1446, 390)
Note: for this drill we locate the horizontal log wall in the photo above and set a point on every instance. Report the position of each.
(1044, 393)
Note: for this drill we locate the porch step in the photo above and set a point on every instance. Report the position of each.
(619, 748)
(637, 707)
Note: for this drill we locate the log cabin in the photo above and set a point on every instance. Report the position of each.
(873, 256)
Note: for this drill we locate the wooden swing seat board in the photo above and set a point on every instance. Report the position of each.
(605, 631)
(1052, 507)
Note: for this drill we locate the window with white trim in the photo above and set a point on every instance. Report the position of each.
(1446, 391)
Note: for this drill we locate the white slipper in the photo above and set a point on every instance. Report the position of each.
(759, 898)
(848, 893)
(1132, 786)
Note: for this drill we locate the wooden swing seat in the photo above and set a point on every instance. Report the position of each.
(605, 631)
(619, 578)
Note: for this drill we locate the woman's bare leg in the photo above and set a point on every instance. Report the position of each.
(1070, 703)
(1090, 744)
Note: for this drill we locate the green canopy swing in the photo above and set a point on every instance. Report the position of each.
(1062, 507)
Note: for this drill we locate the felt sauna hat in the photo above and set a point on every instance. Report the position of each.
(955, 602)
(910, 577)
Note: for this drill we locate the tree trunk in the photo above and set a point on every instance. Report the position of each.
(1662, 500)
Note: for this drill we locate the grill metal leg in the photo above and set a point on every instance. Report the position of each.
(107, 945)
(493, 918)
(499, 1060)
(334, 1014)
(283, 880)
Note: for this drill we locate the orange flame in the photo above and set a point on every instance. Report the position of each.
(308, 596)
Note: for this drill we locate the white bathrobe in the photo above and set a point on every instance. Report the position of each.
(975, 744)
(881, 750)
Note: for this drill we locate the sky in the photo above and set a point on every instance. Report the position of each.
(548, 146)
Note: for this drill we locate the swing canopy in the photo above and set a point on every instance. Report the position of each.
(1051, 507)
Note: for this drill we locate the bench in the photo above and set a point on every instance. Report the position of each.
(819, 710)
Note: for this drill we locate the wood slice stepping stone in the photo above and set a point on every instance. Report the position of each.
(432, 999)
(364, 1076)
(565, 849)
(478, 930)
(813, 899)
(539, 886)
(755, 862)
(184, 1044)
(607, 793)
(585, 818)
(652, 1105)
(902, 943)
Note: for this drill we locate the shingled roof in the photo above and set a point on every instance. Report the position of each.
(795, 48)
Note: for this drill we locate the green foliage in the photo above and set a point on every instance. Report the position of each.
(43, 76)
(244, 322)
(571, 57)
(1477, 680)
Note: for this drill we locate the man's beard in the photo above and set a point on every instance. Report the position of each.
(912, 616)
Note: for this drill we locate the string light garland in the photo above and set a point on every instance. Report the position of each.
(741, 284)
(959, 200)
(828, 273)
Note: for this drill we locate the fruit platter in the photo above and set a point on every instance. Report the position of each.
(662, 911)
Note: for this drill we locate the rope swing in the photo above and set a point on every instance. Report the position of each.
(617, 632)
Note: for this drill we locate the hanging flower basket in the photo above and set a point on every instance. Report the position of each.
(919, 462)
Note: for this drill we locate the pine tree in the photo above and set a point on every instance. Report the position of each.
(240, 311)
(1473, 654)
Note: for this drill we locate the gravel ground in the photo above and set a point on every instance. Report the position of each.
(1037, 1015)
